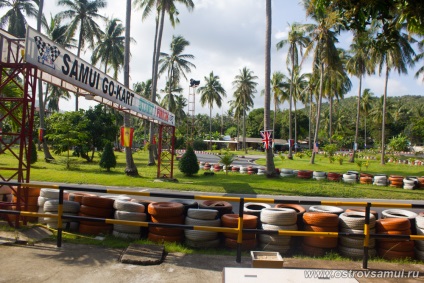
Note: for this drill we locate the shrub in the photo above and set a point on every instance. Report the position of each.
(199, 145)
(108, 159)
(188, 163)
(227, 159)
(34, 155)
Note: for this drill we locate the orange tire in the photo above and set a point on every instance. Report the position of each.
(402, 246)
(95, 230)
(246, 245)
(165, 209)
(390, 255)
(231, 220)
(166, 231)
(96, 211)
(90, 223)
(299, 209)
(366, 175)
(78, 196)
(320, 229)
(97, 202)
(390, 224)
(170, 220)
(321, 242)
(321, 219)
(313, 251)
(365, 180)
(161, 238)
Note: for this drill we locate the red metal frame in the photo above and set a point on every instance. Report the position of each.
(166, 152)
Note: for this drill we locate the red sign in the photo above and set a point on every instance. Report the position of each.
(266, 138)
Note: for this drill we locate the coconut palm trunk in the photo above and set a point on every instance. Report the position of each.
(358, 111)
(321, 87)
(383, 123)
(130, 169)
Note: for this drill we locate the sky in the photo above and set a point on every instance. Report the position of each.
(225, 36)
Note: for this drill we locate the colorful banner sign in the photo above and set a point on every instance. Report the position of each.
(266, 138)
(127, 134)
(55, 60)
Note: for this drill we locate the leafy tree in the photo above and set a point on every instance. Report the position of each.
(108, 159)
(188, 163)
(15, 16)
(227, 159)
(212, 92)
(399, 143)
(245, 88)
(417, 132)
(82, 14)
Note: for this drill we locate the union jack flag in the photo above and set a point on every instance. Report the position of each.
(266, 138)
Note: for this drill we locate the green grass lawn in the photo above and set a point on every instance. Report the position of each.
(82, 172)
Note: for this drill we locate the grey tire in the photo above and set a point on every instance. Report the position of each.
(200, 222)
(278, 216)
(326, 208)
(356, 253)
(356, 243)
(128, 206)
(129, 236)
(202, 213)
(398, 213)
(355, 220)
(127, 229)
(196, 235)
(130, 216)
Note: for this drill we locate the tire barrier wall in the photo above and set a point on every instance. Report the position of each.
(239, 230)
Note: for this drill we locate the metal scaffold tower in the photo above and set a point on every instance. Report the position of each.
(191, 107)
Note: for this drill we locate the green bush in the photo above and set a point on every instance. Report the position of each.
(199, 145)
(108, 159)
(34, 155)
(188, 164)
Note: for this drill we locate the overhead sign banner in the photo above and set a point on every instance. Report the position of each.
(59, 62)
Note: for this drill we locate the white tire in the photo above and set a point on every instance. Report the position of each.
(286, 171)
(202, 214)
(128, 206)
(50, 193)
(130, 216)
(355, 220)
(127, 229)
(419, 221)
(42, 200)
(356, 231)
(398, 213)
(356, 253)
(271, 227)
(278, 216)
(196, 235)
(129, 236)
(326, 208)
(68, 206)
(320, 178)
(379, 183)
(255, 207)
(119, 197)
(355, 243)
(349, 176)
(408, 187)
(319, 174)
(410, 181)
(54, 220)
(201, 222)
(286, 175)
(350, 181)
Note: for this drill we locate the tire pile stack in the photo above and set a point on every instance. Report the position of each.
(45, 195)
(350, 178)
(235, 169)
(32, 205)
(326, 208)
(335, 177)
(249, 239)
(97, 207)
(410, 183)
(420, 182)
(401, 213)
(78, 196)
(365, 178)
(277, 219)
(222, 207)
(261, 171)
(6, 194)
(380, 180)
(69, 208)
(202, 239)
(255, 208)
(217, 167)
(392, 248)
(130, 211)
(243, 170)
(353, 222)
(419, 245)
(304, 174)
(396, 181)
(319, 222)
(319, 175)
(251, 170)
(170, 213)
(286, 172)
(300, 210)
(207, 166)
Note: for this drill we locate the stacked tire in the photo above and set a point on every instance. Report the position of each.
(230, 239)
(170, 213)
(349, 178)
(251, 170)
(243, 170)
(32, 201)
(235, 169)
(45, 195)
(353, 223)
(335, 177)
(217, 167)
(380, 180)
(255, 208)
(207, 166)
(198, 238)
(401, 213)
(261, 171)
(421, 182)
(392, 248)
(304, 174)
(319, 175)
(286, 172)
(129, 211)
(222, 207)
(396, 181)
(419, 245)
(319, 222)
(365, 178)
(96, 207)
(410, 183)
(70, 208)
(276, 219)
(6, 194)
(326, 209)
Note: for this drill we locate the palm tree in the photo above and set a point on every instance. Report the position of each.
(161, 6)
(180, 105)
(325, 54)
(82, 14)
(169, 99)
(110, 49)
(245, 88)
(270, 166)
(175, 63)
(391, 49)
(359, 65)
(297, 40)
(212, 92)
(15, 16)
(365, 106)
(278, 89)
(419, 57)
